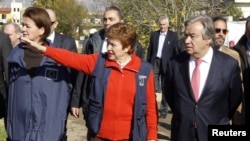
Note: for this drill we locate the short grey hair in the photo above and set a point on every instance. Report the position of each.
(207, 22)
(164, 18)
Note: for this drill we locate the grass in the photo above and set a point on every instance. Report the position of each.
(3, 134)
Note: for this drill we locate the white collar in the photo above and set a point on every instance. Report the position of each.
(207, 58)
(51, 37)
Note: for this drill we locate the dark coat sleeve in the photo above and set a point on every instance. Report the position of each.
(139, 50)
(66, 42)
(5, 48)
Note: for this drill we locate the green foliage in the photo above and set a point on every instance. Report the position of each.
(144, 15)
(232, 10)
(70, 15)
(3, 134)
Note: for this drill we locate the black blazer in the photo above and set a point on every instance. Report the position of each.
(5, 48)
(66, 42)
(241, 47)
(218, 102)
(169, 48)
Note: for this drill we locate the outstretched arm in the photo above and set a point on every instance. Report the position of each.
(33, 45)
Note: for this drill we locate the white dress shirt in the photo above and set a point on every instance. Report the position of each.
(204, 68)
(104, 45)
(51, 37)
(160, 44)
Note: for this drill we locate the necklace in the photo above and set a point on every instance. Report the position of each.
(123, 64)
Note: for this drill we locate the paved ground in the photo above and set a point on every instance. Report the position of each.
(77, 130)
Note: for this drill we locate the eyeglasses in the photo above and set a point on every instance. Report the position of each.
(53, 22)
(218, 30)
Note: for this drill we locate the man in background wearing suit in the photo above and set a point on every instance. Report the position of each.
(198, 85)
(220, 25)
(66, 42)
(162, 47)
(5, 48)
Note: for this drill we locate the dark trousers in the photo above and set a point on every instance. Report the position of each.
(158, 87)
(157, 75)
(163, 107)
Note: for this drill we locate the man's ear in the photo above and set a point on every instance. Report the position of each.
(55, 24)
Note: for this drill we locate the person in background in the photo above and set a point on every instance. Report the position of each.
(39, 87)
(14, 32)
(162, 46)
(181, 45)
(243, 47)
(194, 85)
(62, 41)
(85, 41)
(97, 44)
(220, 25)
(231, 44)
(122, 102)
(5, 48)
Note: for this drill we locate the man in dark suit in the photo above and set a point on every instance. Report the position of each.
(5, 48)
(66, 42)
(162, 47)
(205, 94)
(220, 25)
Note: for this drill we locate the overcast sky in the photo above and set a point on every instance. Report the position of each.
(6, 3)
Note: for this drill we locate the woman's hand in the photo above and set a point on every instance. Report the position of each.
(33, 45)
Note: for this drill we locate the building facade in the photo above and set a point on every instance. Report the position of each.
(244, 5)
(11, 13)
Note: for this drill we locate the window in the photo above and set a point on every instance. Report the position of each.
(3, 16)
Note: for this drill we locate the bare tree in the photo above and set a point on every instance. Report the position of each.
(144, 14)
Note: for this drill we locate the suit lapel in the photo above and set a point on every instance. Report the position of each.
(157, 36)
(166, 41)
(57, 41)
(212, 76)
(184, 69)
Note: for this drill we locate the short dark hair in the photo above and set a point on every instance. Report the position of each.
(115, 8)
(219, 18)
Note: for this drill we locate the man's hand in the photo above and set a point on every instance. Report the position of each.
(75, 112)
